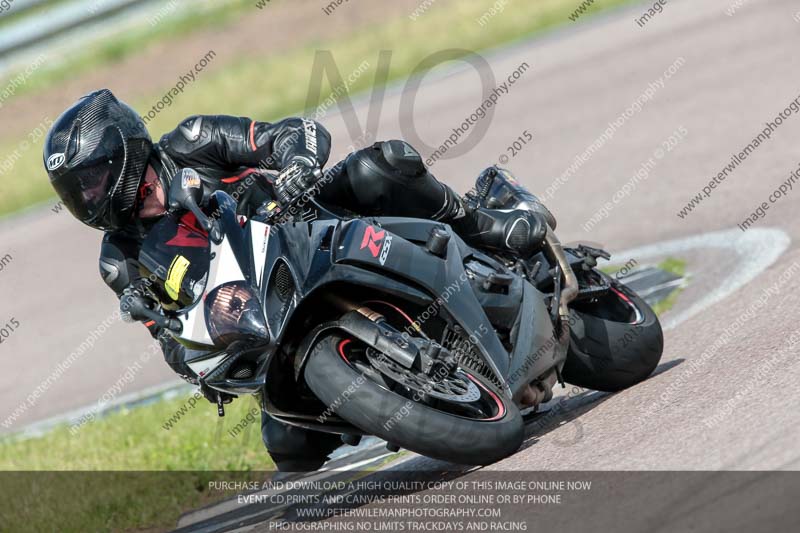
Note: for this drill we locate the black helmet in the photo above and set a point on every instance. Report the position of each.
(96, 155)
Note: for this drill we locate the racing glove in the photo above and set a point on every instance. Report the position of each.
(134, 298)
(295, 179)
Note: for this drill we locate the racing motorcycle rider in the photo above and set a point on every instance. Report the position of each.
(111, 176)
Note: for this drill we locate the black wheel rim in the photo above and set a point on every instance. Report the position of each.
(486, 406)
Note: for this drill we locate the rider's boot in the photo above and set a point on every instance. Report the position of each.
(499, 215)
(515, 232)
(496, 188)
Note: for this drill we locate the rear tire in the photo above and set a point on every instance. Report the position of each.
(608, 354)
(422, 429)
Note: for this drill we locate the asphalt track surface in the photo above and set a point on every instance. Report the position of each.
(738, 73)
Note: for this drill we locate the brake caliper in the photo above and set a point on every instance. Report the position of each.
(436, 361)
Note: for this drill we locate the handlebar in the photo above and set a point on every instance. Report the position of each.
(134, 308)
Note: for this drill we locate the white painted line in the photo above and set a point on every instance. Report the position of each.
(633, 276)
(353, 466)
(674, 284)
(756, 250)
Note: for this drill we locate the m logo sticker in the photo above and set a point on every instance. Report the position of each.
(55, 161)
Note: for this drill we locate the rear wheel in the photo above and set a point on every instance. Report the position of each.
(615, 341)
(458, 418)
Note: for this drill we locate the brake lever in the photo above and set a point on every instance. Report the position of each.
(594, 252)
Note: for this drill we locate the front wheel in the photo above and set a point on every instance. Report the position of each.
(459, 419)
(615, 341)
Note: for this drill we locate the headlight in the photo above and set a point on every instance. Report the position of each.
(233, 313)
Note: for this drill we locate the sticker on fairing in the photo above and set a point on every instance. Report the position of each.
(191, 180)
(175, 275)
(372, 241)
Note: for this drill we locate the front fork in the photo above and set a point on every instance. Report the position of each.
(410, 352)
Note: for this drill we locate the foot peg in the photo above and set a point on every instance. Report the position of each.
(351, 440)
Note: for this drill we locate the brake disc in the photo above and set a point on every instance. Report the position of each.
(456, 387)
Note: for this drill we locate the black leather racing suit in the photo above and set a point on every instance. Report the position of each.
(230, 154)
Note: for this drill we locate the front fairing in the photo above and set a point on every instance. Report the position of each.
(388, 256)
(185, 266)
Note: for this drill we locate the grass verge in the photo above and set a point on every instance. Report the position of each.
(138, 439)
(134, 473)
(677, 267)
(229, 88)
(672, 265)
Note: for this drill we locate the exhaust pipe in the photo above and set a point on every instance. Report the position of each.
(570, 289)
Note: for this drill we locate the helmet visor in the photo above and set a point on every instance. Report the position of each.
(92, 182)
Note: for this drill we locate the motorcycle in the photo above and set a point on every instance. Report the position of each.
(388, 326)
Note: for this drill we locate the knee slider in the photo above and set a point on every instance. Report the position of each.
(403, 158)
(395, 160)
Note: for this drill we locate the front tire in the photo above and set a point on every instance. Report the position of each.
(412, 425)
(610, 348)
